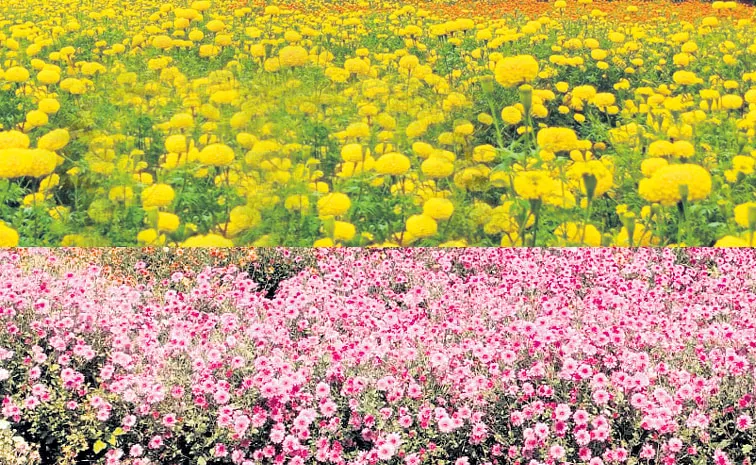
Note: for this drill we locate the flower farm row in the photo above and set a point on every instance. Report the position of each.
(376, 123)
(413, 356)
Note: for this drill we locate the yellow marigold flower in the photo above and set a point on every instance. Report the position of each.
(336, 74)
(293, 56)
(709, 94)
(485, 118)
(539, 111)
(208, 51)
(604, 99)
(204, 5)
(292, 36)
(182, 121)
(557, 139)
(162, 42)
(386, 121)
(14, 140)
(226, 97)
(323, 243)
(168, 222)
(464, 129)
(216, 155)
(660, 148)
(515, 70)
(8, 236)
(616, 37)
(682, 59)
(209, 240)
(668, 183)
(245, 217)
(438, 208)
(215, 25)
(683, 149)
(686, 78)
(54, 140)
(49, 105)
(732, 102)
(585, 93)
(18, 162)
(560, 197)
(49, 182)
(650, 165)
(352, 153)
(446, 138)
(210, 112)
(436, 167)
(684, 131)
(731, 84)
(393, 163)
(745, 215)
(743, 164)
(48, 76)
(368, 110)
(416, 129)
(511, 115)
(246, 140)
(353, 66)
(36, 199)
(157, 195)
(533, 184)
(322, 188)
(343, 231)
(484, 153)
(271, 65)
(16, 74)
(595, 168)
(333, 204)
(150, 237)
(571, 233)
(690, 46)
(36, 118)
(599, 54)
(422, 149)
(121, 194)
(731, 241)
(297, 202)
(409, 62)
(750, 96)
(358, 130)
(43, 162)
(420, 226)
(176, 143)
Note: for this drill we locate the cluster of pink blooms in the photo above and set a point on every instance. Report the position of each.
(409, 356)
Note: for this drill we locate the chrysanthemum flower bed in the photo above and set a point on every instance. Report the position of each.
(397, 357)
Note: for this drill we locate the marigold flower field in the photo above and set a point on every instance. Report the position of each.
(469, 356)
(365, 123)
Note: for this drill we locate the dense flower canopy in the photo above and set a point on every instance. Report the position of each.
(358, 356)
(304, 114)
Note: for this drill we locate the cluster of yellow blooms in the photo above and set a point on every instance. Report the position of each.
(212, 123)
